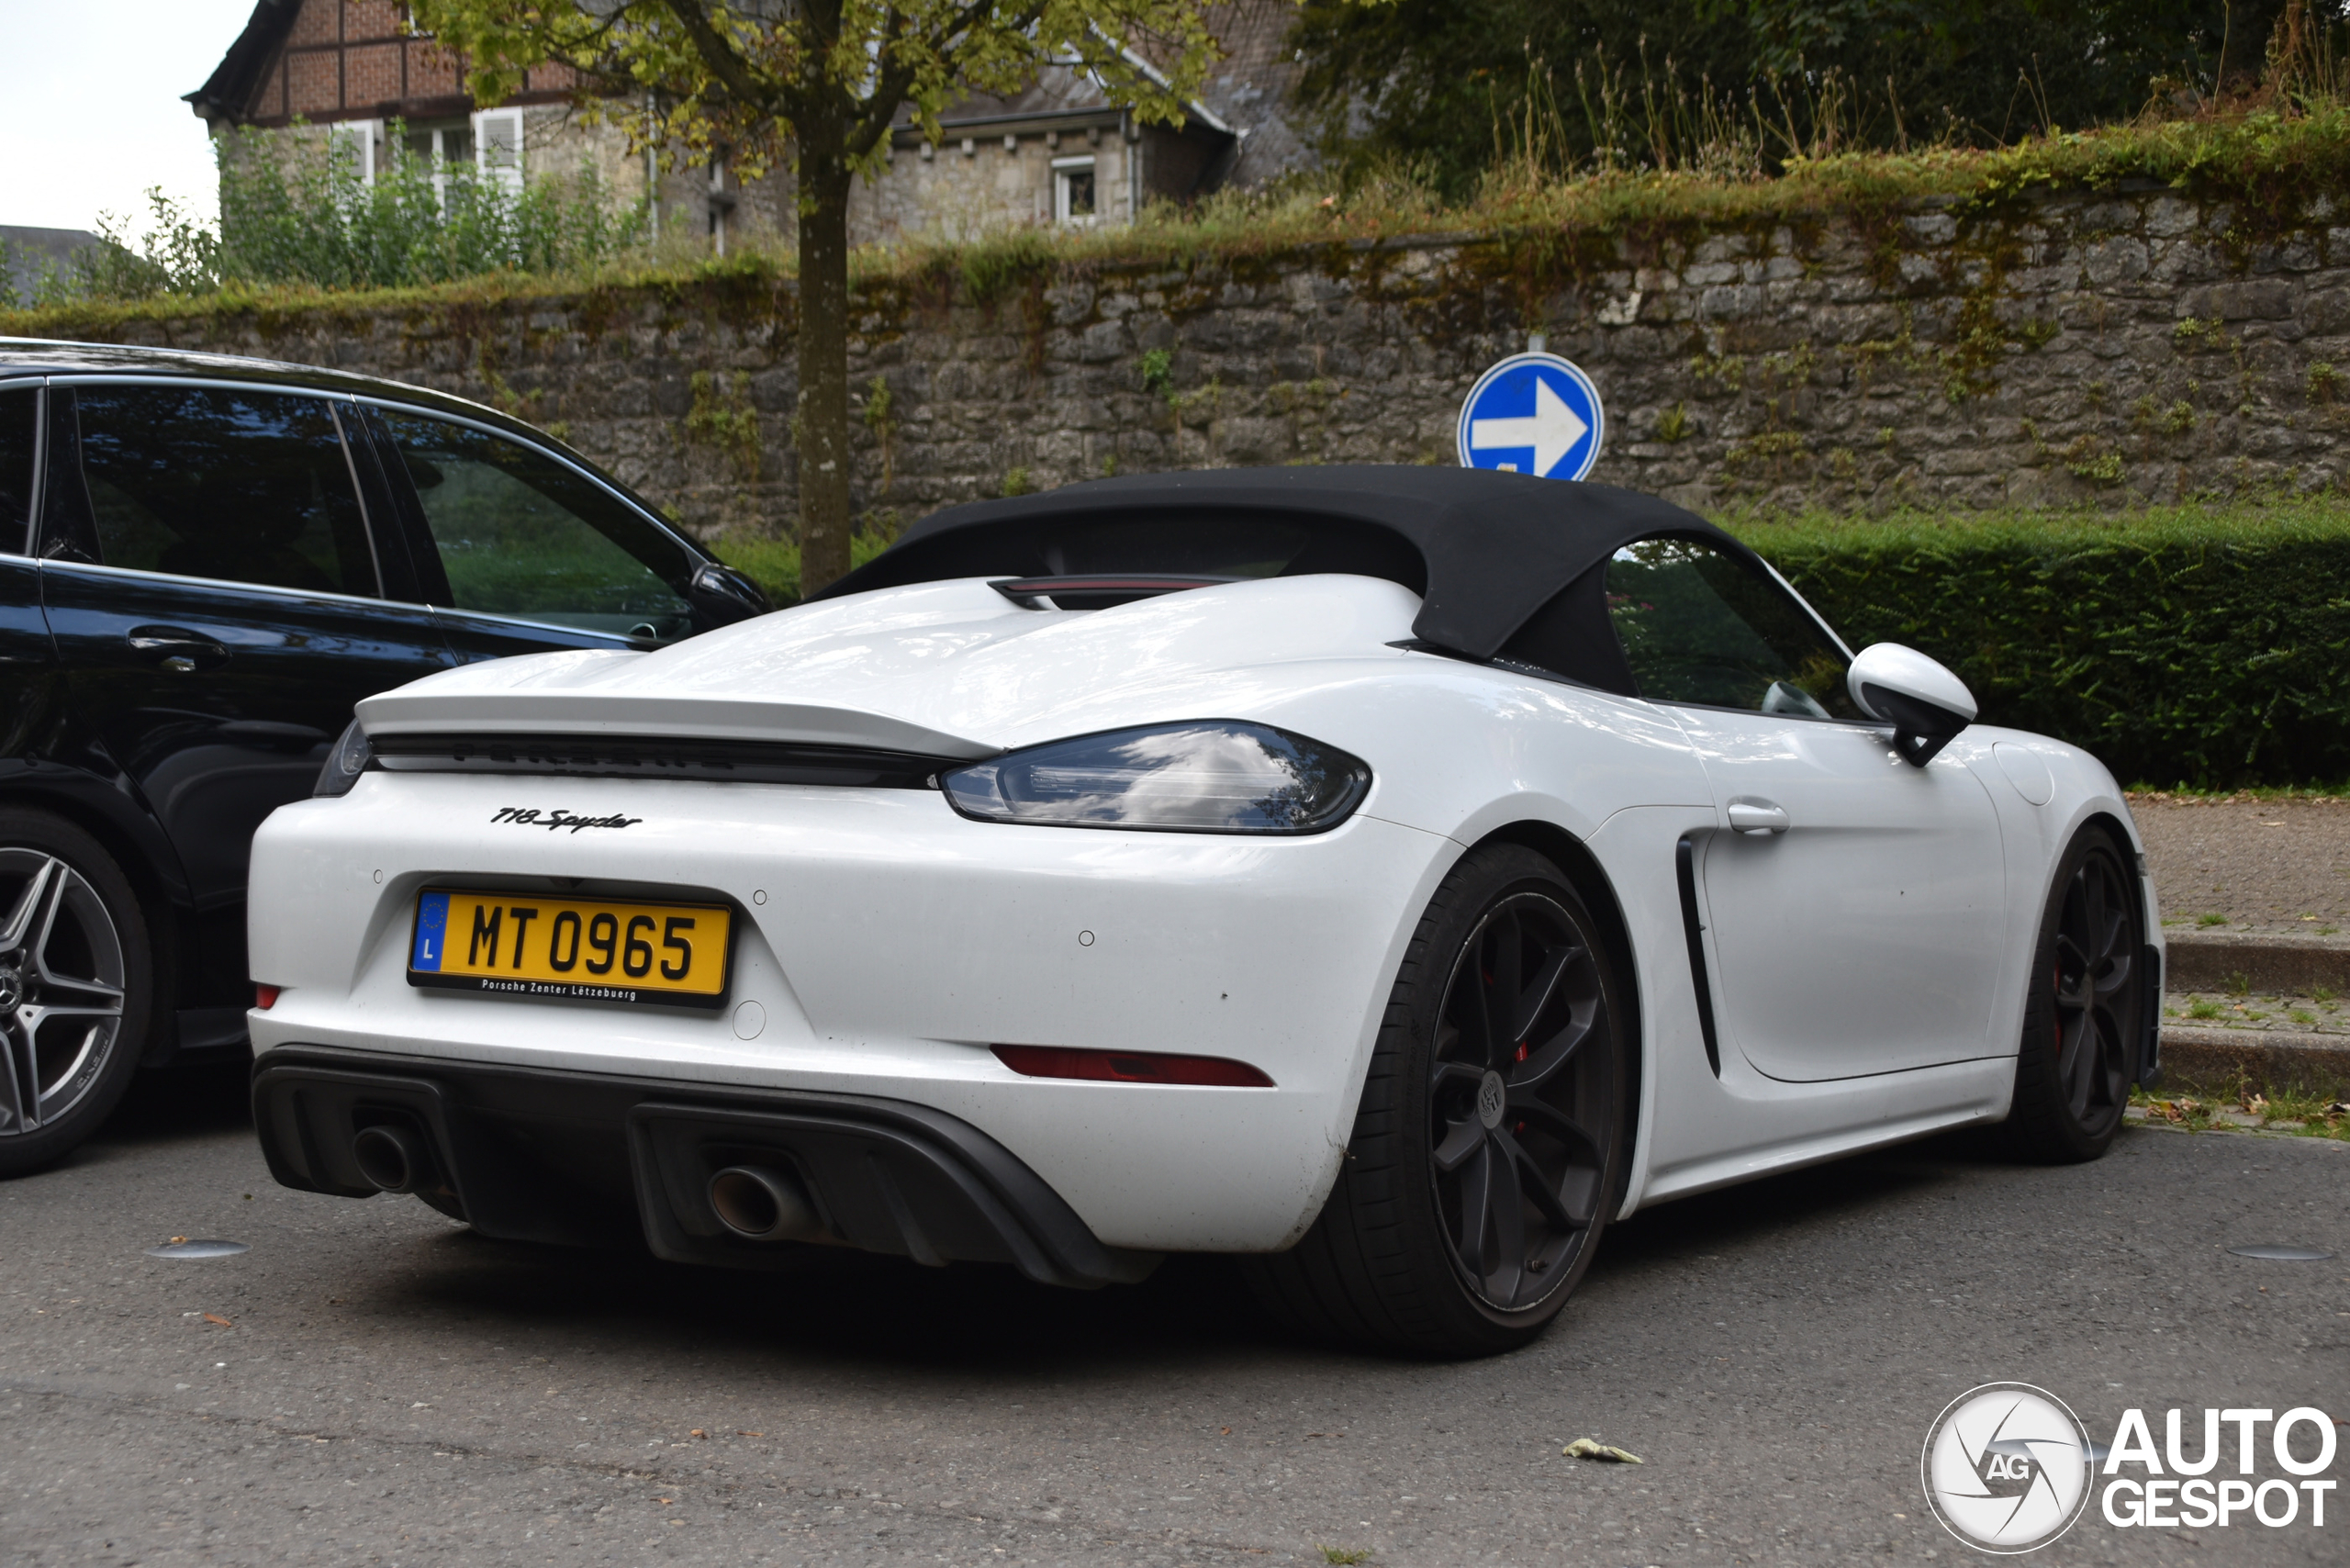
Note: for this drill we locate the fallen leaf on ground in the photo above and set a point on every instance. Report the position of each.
(178, 1240)
(1592, 1448)
(741, 1434)
(697, 1432)
(215, 1317)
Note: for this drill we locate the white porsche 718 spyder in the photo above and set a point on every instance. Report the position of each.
(1390, 874)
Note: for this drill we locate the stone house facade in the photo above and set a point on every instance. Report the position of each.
(1061, 151)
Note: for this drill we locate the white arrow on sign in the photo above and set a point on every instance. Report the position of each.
(1551, 431)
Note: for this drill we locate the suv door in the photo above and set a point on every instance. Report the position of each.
(1854, 904)
(214, 588)
(521, 552)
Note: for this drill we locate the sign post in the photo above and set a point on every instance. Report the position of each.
(1533, 413)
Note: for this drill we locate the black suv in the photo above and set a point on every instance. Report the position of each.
(204, 562)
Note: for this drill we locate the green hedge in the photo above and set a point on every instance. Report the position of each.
(2208, 647)
(2205, 647)
(774, 563)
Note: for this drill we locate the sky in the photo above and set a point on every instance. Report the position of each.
(90, 110)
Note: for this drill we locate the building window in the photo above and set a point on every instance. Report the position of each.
(1073, 190)
(442, 145)
(497, 138)
(351, 144)
(439, 148)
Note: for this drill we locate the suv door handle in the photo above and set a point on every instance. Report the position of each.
(1757, 817)
(181, 652)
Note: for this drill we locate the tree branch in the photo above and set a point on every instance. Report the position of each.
(730, 69)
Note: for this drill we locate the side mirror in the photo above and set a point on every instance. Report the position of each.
(722, 596)
(1924, 702)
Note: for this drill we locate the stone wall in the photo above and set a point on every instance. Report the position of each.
(2082, 349)
(976, 186)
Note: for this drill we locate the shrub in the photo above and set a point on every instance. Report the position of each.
(296, 213)
(2189, 645)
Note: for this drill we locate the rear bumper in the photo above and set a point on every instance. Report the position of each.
(882, 945)
(534, 1154)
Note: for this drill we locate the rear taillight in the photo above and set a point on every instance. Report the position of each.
(1130, 1066)
(265, 997)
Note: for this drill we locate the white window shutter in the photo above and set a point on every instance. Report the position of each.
(498, 147)
(355, 140)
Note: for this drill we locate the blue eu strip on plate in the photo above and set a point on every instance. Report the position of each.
(432, 923)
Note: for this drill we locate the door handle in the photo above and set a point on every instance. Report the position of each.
(181, 652)
(1757, 817)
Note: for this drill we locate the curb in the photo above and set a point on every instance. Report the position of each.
(2267, 1061)
(2292, 964)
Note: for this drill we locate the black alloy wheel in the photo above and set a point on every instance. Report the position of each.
(2085, 1018)
(1518, 1172)
(1488, 1148)
(74, 988)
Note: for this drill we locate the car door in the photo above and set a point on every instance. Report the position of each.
(521, 552)
(1854, 903)
(216, 596)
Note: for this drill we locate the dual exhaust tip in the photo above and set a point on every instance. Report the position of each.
(762, 1204)
(751, 1201)
(395, 1158)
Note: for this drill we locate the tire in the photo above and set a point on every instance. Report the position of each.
(1410, 1253)
(2084, 1019)
(77, 988)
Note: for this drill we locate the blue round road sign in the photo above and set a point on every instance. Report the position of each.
(1533, 413)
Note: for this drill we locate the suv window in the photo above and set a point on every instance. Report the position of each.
(1699, 626)
(19, 428)
(249, 486)
(521, 534)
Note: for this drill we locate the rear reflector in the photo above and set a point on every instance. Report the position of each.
(265, 997)
(1129, 1067)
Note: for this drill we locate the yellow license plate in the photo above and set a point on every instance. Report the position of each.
(590, 949)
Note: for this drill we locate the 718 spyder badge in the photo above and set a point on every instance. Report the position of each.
(530, 816)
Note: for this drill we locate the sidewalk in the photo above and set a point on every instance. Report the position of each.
(2256, 904)
(2245, 865)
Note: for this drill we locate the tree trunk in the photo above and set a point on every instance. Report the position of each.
(824, 519)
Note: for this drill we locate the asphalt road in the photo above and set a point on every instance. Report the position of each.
(387, 1388)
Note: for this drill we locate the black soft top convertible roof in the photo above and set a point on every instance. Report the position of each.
(1485, 551)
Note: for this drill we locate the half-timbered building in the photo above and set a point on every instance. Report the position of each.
(354, 73)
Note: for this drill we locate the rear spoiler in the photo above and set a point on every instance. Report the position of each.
(422, 710)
